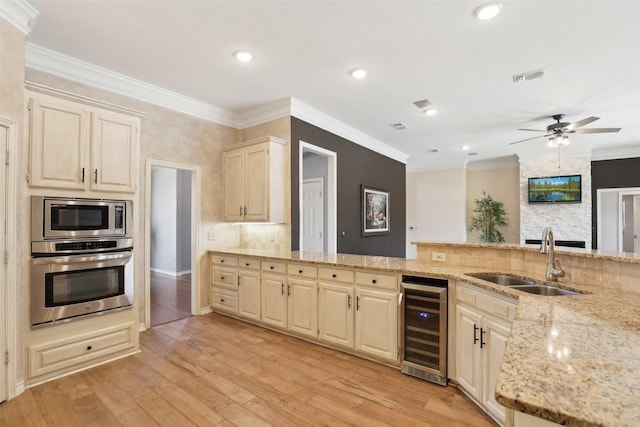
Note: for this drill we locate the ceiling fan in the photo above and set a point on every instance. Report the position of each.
(558, 132)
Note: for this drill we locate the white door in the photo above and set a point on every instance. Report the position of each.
(4, 145)
(313, 215)
(636, 224)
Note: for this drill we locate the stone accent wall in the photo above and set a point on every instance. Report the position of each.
(584, 268)
(569, 221)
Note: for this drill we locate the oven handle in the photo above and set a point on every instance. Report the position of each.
(82, 258)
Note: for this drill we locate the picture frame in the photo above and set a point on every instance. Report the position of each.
(375, 207)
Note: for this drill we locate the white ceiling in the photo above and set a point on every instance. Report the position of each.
(412, 49)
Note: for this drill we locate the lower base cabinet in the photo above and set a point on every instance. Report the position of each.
(274, 300)
(249, 294)
(68, 354)
(336, 320)
(376, 323)
(483, 324)
(302, 311)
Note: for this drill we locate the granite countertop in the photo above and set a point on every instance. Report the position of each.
(573, 360)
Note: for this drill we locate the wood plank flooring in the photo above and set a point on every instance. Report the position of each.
(170, 298)
(216, 371)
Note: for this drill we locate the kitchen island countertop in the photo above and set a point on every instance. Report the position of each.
(572, 360)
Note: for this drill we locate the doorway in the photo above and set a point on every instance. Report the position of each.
(170, 274)
(318, 194)
(618, 219)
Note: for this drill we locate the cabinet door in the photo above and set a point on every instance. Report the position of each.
(335, 314)
(114, 142)
(468, 373)
(256, 196)
(234, 185)
(274, 300)
(495, 335)
(249, 294)
(303, 306)
(377, 323)
(59, 144)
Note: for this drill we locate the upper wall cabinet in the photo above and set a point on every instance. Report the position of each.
(254, 181)
(75, 146)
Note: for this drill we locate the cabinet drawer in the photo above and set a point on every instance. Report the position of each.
(251, 264)
(376, 280)
(229, 261)
(274, 267)
(224, 299)
(465, 295)
(300, 270)
(495, 306)
(335, 275)
(224, 277)
(66, 353)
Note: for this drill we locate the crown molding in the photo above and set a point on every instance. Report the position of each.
(18, 13)
(324, 121)
(494, 163)
(70, 68)
(616, 153)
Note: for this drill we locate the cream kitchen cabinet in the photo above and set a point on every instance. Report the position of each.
(224, 283)
(273, 294)
(482, 326)
(302, 305)
(376, 328)
(255, 181)
(336, 306)
(249, 288)
(75, 146)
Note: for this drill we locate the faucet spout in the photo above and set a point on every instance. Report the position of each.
(554, 269)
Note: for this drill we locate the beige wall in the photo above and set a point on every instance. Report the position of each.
(503, 185)
(12, 58)
(435, 207)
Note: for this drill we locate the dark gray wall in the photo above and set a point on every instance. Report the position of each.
(356, 165)
(618, 173)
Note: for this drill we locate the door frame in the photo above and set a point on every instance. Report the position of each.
(635, 191)
(331, 193)
(196, 191)
(9, 334)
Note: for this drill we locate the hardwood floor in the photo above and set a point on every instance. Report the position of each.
(170, 298)
(216, 371)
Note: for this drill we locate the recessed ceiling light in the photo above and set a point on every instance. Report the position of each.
(398, 126)
(430, 111)
(358, 73)
(465, 147)
(243, 56)
(488, 11)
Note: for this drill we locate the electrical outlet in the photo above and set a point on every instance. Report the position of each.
(439, 256)
(211, 235)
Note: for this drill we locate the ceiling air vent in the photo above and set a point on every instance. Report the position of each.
(433, 150)
(398, 126)
(529, 75)
(472, 154)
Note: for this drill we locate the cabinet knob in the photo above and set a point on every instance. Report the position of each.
(221, 261)
(221, 277)
(333, 275)
(374, 281)
(89, 347)
(272, 267)
(300, 271)
(221, 299)
(248, 264)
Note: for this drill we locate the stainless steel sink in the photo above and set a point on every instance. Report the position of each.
(544, 290)
(523, 284)
(503, 279)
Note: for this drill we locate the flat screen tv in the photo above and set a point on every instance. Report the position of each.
(556, 189)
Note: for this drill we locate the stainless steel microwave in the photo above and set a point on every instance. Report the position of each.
(72, 218)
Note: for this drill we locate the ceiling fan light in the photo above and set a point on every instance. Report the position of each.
(565, 140)
(488, 11)
(551, 143)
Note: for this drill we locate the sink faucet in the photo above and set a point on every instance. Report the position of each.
(554, 269)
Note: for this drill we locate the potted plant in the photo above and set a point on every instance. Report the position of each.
(491, 215)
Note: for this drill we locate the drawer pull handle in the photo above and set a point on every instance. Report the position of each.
(89, 347)
(282, 288)
(357, 303)
(334, 275)
(349, 302)
(374, 281)
(475, 337)
(482, 343)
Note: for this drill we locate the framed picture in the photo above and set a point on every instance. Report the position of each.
(375, 211)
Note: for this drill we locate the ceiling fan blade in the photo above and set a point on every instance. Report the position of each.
(533, 130)
(582, 122)
(529, 139)
(596, 130)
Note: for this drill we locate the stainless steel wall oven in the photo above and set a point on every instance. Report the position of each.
(81, 258)
(424, 328)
